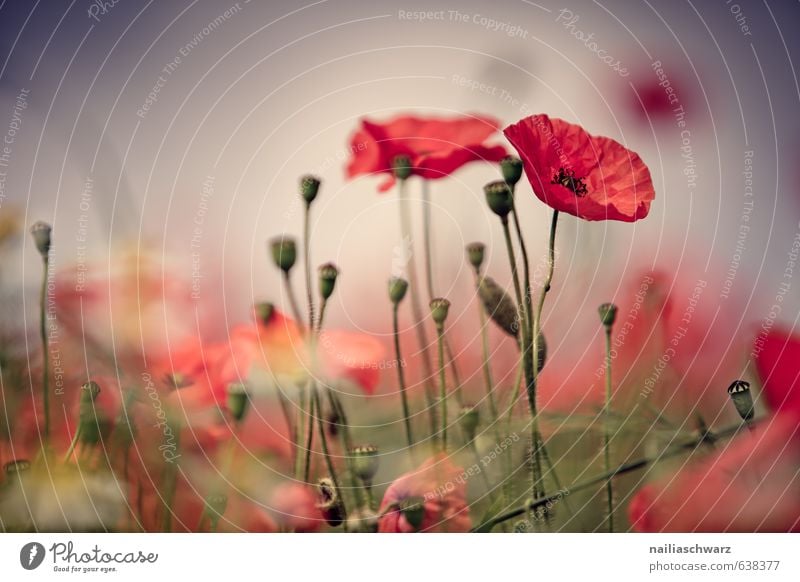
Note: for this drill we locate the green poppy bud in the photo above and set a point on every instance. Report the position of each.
(742, 398)
(498, 197)
(413, 509)
(439, 308)
(327, 279)
(41, 231)
(608, 314)
(512, 169)
(499, 306)
(237, 400)
(264, 311)
(397, 289)
(309, 187)
(401, 167)
(284, 253)
(475, 253)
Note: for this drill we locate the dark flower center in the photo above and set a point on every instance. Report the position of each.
(567, 178)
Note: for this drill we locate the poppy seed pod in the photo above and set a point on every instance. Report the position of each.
(475, 252)
(327, 279)
(41, 232)
(512, 169)
(397, 289)
(499, 306)
(264, 311)
(439, 308)
(498, 197)
(413, 509)
(608, 314)
(468, 419)
(330, 504)
(284, 253)
(401, 167)
(365, 462)
(237, 400)
(309, 187)
(742, 398)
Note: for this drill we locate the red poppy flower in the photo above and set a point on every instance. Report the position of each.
(437, 147)
(777, 354)
(439, 486)
(591, 177)
(750, 486)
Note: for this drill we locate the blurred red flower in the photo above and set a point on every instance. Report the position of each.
(591, 177)
(437, 147)
(777, 355)
(440, 487)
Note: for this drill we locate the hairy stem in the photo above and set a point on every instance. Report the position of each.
(401, 377)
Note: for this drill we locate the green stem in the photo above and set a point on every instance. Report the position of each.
(620, 470)
(309, 438)
(416, 308)
(72, 444)
(525, 262)
(606, 432)
(442, 386)
(307, 261)
(401, 376)
(45, 350)
(323, 304)
(292, 299)
(487, 368)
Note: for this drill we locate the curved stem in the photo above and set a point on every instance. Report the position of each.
(416, 308)
(401, 377)
(620, 470)
(292, 299)
(307, 265)
(309, 438)
(323, 439)
(45, 350)
(442, 386)
(607, 431)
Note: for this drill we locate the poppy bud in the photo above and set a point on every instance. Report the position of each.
(362, 520)
(309, 187)
(608, 314)
(468, 419)
(89, 391)
(439, 308)
(327, 279)
(413, 509)
(365, 462)
(498, 196)
(237, 400)
(264, 311)
(284, 253)
(16, 468)
(40, 231)
(397, 289)
(330, 504)
(739, 392)
(499, 305)
(512, 169)
(475, 254)
(401, 166)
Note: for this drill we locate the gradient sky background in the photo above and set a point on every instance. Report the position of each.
(276, 89)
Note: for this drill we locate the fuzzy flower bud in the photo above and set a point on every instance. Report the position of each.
(499, 306)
